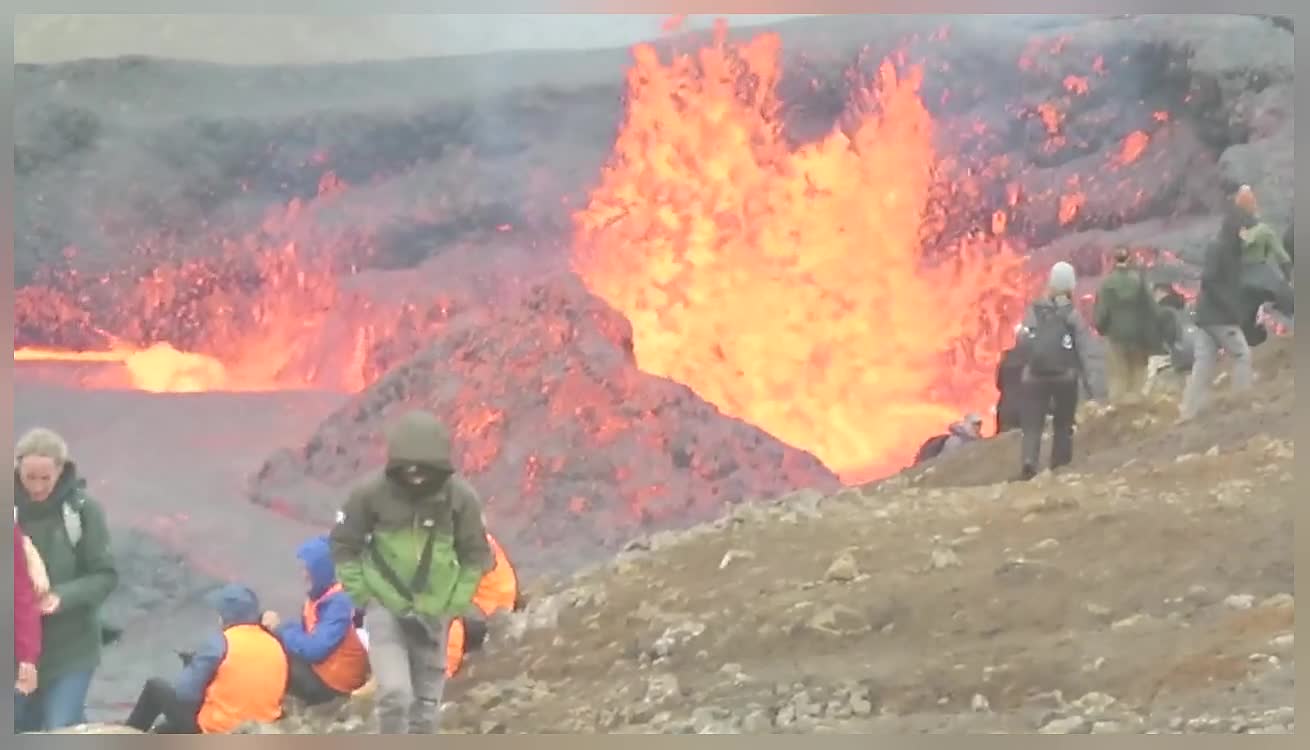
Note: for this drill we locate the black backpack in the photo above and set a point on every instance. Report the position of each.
(1051, 351)
(931, 448)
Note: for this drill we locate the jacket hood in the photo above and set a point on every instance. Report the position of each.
(964, 429)
(237, 605)
(317, 557)
(419, 437)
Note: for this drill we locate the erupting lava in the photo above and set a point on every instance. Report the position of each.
(789, 286)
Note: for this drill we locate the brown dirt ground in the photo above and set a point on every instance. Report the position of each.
(1137, 530)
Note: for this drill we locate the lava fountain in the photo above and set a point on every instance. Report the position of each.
(789, 286)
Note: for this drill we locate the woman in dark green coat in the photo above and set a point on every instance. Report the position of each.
(69, 531)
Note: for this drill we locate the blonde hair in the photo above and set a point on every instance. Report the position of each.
(42, 442)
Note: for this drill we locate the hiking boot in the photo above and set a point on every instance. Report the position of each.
(1026, 474)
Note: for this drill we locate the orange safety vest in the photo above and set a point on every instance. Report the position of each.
(346, 669)
(498, 589)
(249, 684)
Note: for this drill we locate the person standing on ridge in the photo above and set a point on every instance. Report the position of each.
(1221, 310)
(1127, 316)
(410, 549)
(70, 535)
(1057, 345)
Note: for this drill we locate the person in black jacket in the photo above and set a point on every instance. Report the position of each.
(1221, 309)
(1009, 386)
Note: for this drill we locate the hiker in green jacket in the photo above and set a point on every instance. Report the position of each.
(68, 530)
(1127, 315)
(410, 549)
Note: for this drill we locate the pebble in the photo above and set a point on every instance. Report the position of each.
(944, 557)
(1239, 601)
(843, 569)
(1067, 725)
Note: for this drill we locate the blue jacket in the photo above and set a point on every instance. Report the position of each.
(336, 613)
(236, 605)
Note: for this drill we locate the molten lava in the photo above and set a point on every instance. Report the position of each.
(789, 285)
(158, 369)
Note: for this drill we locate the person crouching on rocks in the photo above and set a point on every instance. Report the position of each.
(498, 591)
(328, 661)
(239, 675)
(410, 549)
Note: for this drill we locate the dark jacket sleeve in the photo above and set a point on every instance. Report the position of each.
(27, 614)
(336, 618)
(99, 576)
(471, 546)
(195, 678)
(348, 540)
(1082, 344)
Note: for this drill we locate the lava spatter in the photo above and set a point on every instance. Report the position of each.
(789, 285)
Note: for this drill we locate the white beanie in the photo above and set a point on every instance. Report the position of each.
(1063, 278)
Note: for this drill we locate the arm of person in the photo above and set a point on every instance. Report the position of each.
(27, 613)
(99, 575)
(471, 546)
(348, 540)
(195, 678)
(1082, 343)
(336, 618)
(1101, 311)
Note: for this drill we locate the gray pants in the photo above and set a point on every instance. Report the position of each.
(410, 668)
(1208, 342)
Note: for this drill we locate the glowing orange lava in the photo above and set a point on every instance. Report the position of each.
(1134, 145)
(158, 369)
(788, 286)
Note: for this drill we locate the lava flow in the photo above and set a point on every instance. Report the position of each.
(786, 285)
(257, 319)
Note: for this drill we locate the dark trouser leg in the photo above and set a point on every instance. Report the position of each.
(1064, 396)
(159, 699)
(1036, 401)
(305, 684)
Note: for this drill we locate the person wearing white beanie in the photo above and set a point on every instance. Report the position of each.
(1055, 345)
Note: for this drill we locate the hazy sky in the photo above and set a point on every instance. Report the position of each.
(287, 38)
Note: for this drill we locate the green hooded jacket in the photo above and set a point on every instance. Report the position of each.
(82, 577)
(1126, 312)
(394, 521)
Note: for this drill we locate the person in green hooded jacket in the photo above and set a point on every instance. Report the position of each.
(410, 549)
(69, 532)
(1127, 315)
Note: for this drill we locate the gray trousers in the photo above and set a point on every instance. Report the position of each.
(1207, 343)
(410, 668)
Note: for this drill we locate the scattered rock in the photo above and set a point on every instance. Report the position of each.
(980, 704)
(1284, 642)
(1279, 601)
(734, 555)
(944, 558)
(1066, 725)
(1239, 601)
(843, 569)
(661, 688)
(837, 620)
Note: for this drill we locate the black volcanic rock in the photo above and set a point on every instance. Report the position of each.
(574, 450)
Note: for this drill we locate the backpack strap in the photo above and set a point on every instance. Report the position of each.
(72, 512)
